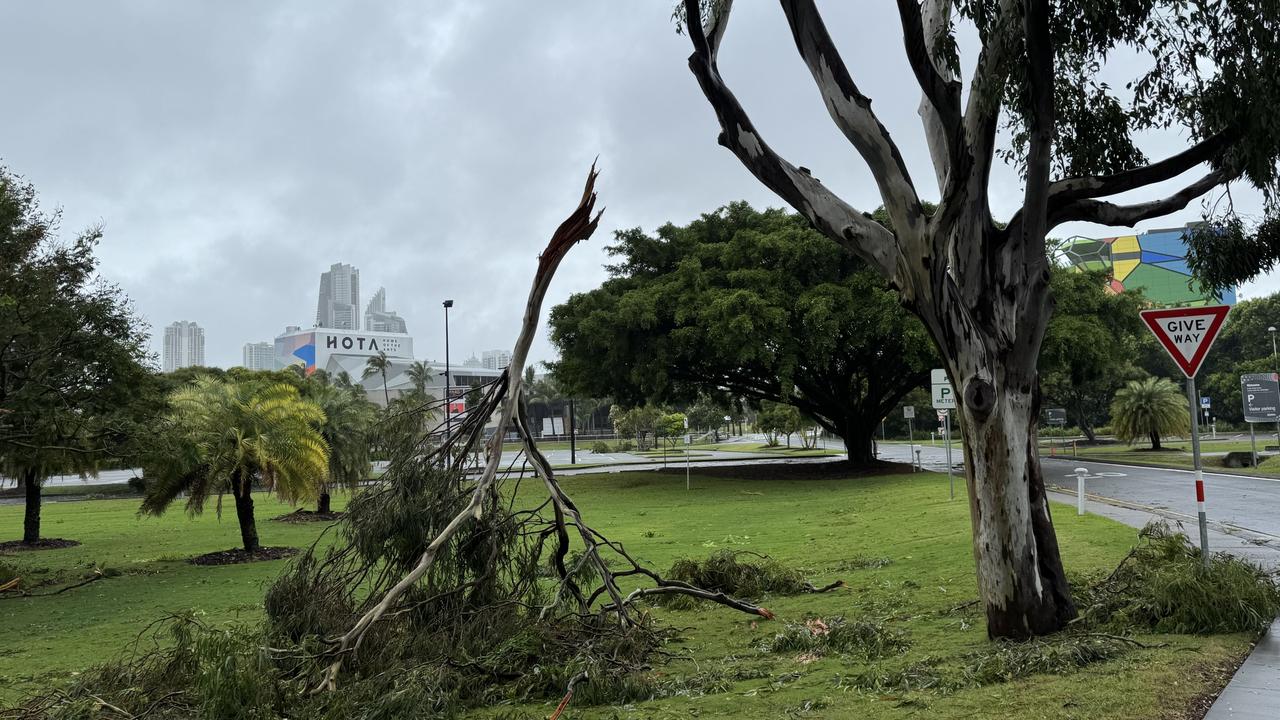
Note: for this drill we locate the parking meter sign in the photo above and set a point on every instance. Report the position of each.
(944, 396)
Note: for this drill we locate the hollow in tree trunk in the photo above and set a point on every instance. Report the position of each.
(241, 490)
(31, 518)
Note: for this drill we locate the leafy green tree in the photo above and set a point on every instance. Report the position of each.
(744, 304)
(777, 419)
(1046, 69)
(348, 419)
(226, 436)
(378, 365)
(636, 422)
(71, 351)
(1089, 347)
(705, 414)
(1149, 408)
(1243, 346)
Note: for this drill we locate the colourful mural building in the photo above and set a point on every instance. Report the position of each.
(1154, 262)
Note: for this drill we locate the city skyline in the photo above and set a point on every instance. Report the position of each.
(316, 148)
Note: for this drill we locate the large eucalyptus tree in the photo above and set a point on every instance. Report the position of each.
(980, 284)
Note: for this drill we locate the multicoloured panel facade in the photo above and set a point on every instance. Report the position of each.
(297, 349)
(1154, 262)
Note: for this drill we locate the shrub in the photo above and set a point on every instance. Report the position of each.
(818, 636)
(723, 571)
(1164, 586)
(137, 485)
(625, 446)
(600, 447)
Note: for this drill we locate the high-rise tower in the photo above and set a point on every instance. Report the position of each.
(339, 304)
(183, 345)
(378, 318)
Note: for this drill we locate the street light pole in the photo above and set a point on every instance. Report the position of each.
(448, 401)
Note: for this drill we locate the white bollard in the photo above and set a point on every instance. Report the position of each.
(918, 463)
(1080, 473)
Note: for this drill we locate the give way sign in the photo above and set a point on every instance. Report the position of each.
(1186, 333)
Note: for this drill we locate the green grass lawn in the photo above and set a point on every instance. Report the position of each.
(782, 450)
(822, 526)
(1177, 454)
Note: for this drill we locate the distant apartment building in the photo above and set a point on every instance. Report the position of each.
(339, 303)
(377, 318)
(260, 356)
(183, 345)
(495, 359)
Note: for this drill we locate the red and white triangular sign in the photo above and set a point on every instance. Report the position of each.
(1186, 333)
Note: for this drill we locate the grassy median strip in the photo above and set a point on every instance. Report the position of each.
(901, 636)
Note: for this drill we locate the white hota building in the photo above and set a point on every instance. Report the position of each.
(336, 351)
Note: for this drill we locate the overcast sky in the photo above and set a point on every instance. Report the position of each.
(232, 151)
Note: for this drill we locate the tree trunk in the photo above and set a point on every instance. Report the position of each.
(31, 519)
(1090, 433)
(1020, 577)
(1155, 440)
(322, 505)
(860, 446)
(243, 494)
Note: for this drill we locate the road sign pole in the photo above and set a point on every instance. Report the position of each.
(1195, 459)
(946, 430)
(911, 444)
(1253, 445)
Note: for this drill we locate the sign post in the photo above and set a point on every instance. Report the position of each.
(1187, 334)
(1260, 395)
(688, 440)
(909, 412)
(944, 399)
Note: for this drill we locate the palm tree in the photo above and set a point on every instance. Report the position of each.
(420, 374)
(378, 364)
(223, 436)
(1149, 408)
(347, 419)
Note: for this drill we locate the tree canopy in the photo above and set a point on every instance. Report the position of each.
(71, 351)
(748, 304)
(1047, 71)
(1089, 347)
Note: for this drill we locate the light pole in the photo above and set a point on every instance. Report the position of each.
(448, 401)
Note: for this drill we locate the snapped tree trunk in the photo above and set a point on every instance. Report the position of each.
(322, 505)
(242, 491)
(1020, 577)
(31, 518)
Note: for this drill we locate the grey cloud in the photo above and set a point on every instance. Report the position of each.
(234, 150)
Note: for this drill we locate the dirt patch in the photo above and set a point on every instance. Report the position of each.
(1215, 678)
(794, 471)
(42, 544)
(238, 555)
(304, 516)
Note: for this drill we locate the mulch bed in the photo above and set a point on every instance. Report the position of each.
(793, 471)
(238, 555)
(42, 544)
(302, 516)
